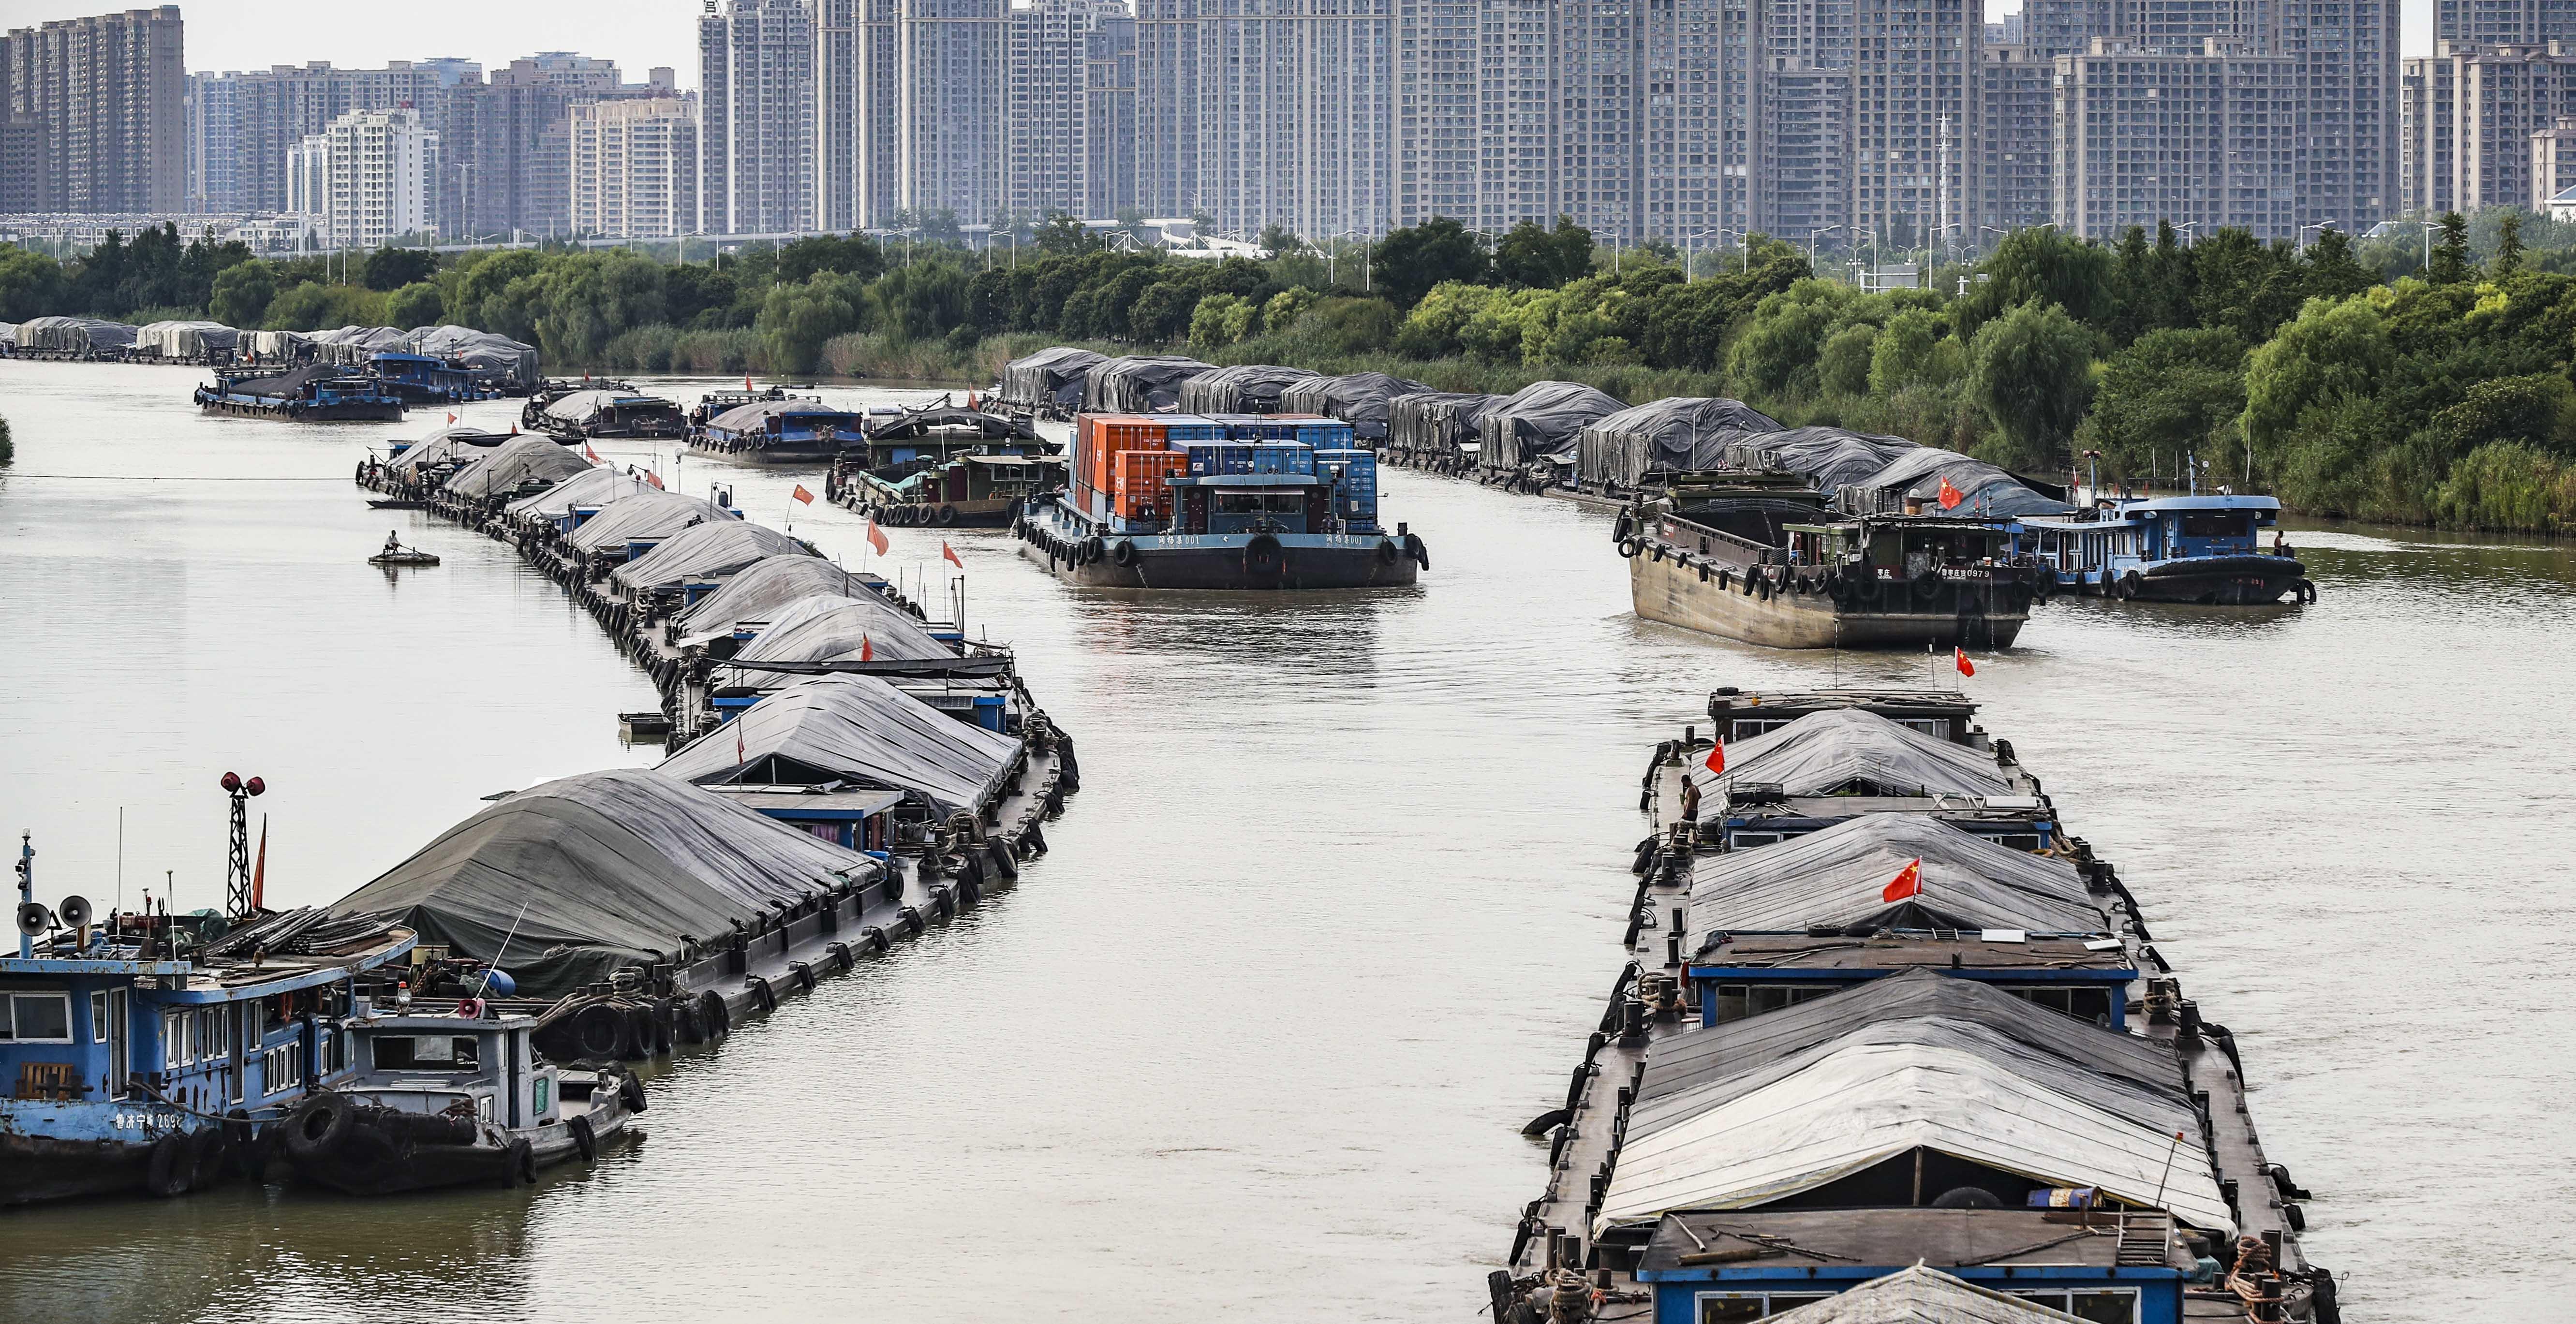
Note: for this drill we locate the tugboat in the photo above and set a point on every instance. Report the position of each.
(1758, 555)
(445, 1100)
(2200, 549)
(946, 466)
(145, 1051)
(1232, 502)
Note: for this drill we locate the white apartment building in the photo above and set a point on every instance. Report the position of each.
(368, 179)
(635, 168)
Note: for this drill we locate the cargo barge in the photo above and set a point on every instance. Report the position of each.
(1272, 502)
(787, 430)
(313, 393)
(1885, 1020)
(945, 467)
(2185, 548)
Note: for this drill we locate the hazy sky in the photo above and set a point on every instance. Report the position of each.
(638, 34)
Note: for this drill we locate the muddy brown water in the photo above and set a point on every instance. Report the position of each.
(1326, 925)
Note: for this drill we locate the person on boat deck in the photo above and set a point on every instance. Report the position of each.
(2280, 544)
(393, 541)
(1690, 800)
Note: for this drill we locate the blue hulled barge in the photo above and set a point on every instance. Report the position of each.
(2194, 548)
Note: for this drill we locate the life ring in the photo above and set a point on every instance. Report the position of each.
(1123, 551)
(948, 514)
(584, 1138)
(1629, 547)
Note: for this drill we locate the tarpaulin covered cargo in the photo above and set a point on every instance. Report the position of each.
(829, 628)
(1436, 422)
(185, 340)
(1830, 457)
(766, 588)
(594, 487)
(1987, 1090)
(505, 359)
(292, 384)
(801, 418)
(718, 547)
(272, 345)
(1539, 419)
(1139, 384)
(1361, 399)
(1246, 388)
(1984, 490)
(588, 874)
(1846, 751)
(1049, 377)
(8, 335)
(1685, 434)
(75, 335)
(1837, 877)
(644, 517)
(457, 443)
(356, 345)
(857, 729)
(520, 460)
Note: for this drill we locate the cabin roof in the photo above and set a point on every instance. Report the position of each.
(1850, 1238)
(1917, 949)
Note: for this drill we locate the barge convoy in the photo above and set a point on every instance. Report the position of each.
(844, 773)
(1887, 1027)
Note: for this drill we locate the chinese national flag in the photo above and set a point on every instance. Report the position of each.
(746, 382)
(587, 452)
(802, 495)
(1905, 884)
(259, 872)
(1950, 496)
(1959, 659)
(877, 538)
(653, 478)
(1716, 760)
(451, 418)
(867, 650)
(950, 553)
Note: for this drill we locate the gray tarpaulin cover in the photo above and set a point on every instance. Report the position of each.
(611, 868)
(184, 340)
(457, 442)
(1538, 419)
(767, 588)
(1987, 490)
(1139, 384)
(593, 487)
(8, 335)
(522, 459)
(1050, 376)
(582, 406)
(1437, 421)
(1831, 457)
(854, 729)
(287, 385)
(754, 417)
(1919, 1295)
(1986, 1088)
(74, 334)
(357, 345)
(1835, 876)
(1246, 388)
(718, 547)
(1823, 753)
(1361, 399)
(277, 344)
(483, 350)
(829, 628)
(648, 516)
(1685, 434)
(2127, 1074)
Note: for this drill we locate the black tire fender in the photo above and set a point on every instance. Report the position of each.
(1003, 864)
(1655, 552)
(1628, 548)
(1123, 551)
(1421, 550)
(167, 1169)
(762, 995)
(714, 1015)
(1387, 552)
(319, 1127)
(875, 938)
(585, 1138)
(630, 1092)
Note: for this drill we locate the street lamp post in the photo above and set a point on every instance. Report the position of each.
(1688, 251)
(1811, 245)
(2323, 226)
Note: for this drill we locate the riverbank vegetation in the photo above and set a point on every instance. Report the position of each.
(2423, 378)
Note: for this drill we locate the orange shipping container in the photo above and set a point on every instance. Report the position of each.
(1098, 437)
(1140, 492)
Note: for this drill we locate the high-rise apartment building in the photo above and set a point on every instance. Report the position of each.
(242, 125)
(757, 94)
(2146, 134)
(2345, 99)
(102, 104)
(949, 118)
(2503, 22)
(2427, 100)
(2504, 95)
(1049, 152)
(2015, 179)
(2553, 163)
(634, 168)
(1261, 112)
(1655, 126)
(1109, 116)
(368, 179)
(1805, 110)
(1916, 120)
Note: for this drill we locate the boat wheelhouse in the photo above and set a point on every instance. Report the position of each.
(945, 466)
(426, 379)
(143, 1051)
(2200, 549)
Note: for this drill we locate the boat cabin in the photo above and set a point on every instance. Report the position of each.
(1743, 975)
(422, 379)
(2116, 531)
(852, 817)
(1833, 764)
(2113, 1267)
(487, 1068)
(1941, 714)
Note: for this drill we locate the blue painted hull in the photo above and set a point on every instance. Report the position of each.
(59, 1151)
(1231, 561)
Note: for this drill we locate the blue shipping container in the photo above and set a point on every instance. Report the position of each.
(1324, 435)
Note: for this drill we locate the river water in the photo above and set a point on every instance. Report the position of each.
(1328, 922)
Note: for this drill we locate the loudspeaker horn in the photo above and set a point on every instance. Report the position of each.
(74, 911)
(33, 918)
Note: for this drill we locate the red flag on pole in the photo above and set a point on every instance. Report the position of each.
(1907, 883)
(451, 418)
(1959, 659)
(592, 455)
(655, 479)
(259, 871)
(1950, 496)
(802, 495)
(950, 553)
(877, 538)
(867, 650)
(1716, 760)
(746, 382)
(737, 740)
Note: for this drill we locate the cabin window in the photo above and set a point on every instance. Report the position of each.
(1736, 1002)
(1936, 727)
(36, 1018)
(2020, 840)
(2084, 1004)
(2216, 524)
(1748, 727)
(427, 1052)
(334, 1051)
(1729, 1307)
(1238, 503)
(99, 1025)
(2107, 1305)
(277, 1070)
(1753, 838)
(174, 1040)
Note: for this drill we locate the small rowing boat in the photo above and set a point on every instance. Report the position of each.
(405, 556)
